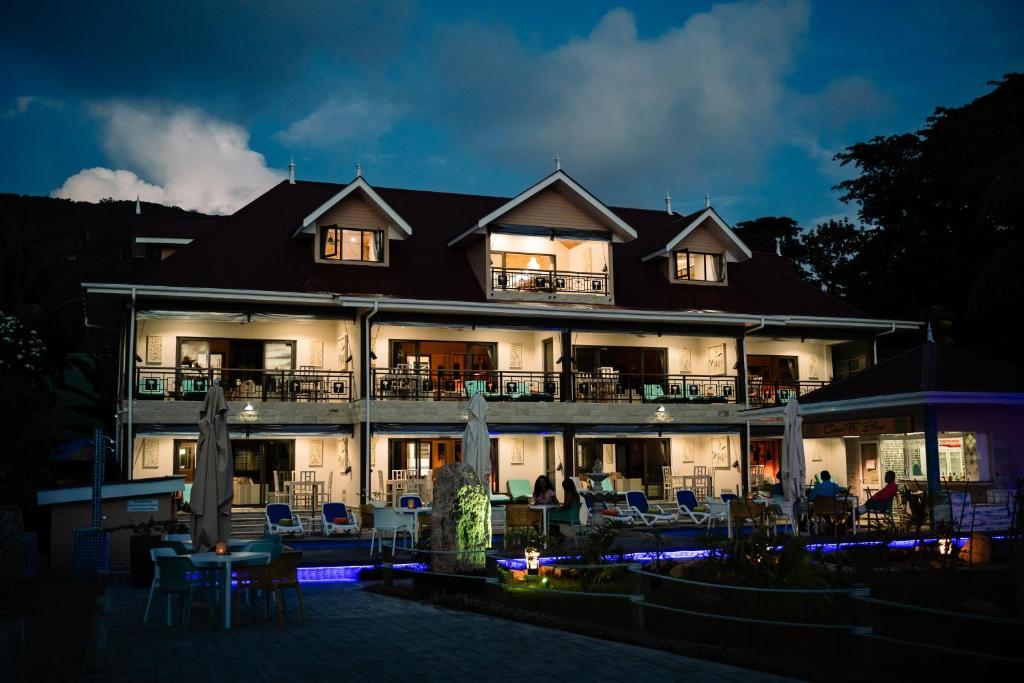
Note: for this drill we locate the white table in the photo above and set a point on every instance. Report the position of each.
(415, 513)
(214, 560)
(544, 516)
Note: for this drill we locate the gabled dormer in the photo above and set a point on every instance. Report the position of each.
(700, 253)
(354, 227)
(552, 242)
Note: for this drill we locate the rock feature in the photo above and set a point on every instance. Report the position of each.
(461, 520)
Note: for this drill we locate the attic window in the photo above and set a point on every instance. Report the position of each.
(350, 244)
(694, 266)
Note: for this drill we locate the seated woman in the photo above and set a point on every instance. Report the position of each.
(569, 511)
(882, 500)
(544, 492)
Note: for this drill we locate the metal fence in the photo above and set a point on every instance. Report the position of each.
(191, 384)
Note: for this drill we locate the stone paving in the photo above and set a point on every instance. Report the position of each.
(351, 635)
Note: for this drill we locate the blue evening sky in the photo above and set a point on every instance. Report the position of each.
(202, 104)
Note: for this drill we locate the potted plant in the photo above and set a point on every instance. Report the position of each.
(145, 536)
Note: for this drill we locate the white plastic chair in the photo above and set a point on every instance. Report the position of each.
(276, 512)
(388, 520)
(153, 554)
(331, 511)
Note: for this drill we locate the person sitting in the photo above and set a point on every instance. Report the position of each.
(777, 486)
(882, 500)
(544, 492)
(569, 511)
(826, 487)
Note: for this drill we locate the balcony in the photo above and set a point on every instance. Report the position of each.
(454, 385)
(528, 280)
(615, 387)
(774, 393)
(191, 384)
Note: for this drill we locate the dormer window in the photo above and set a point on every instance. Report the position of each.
(695, 266)
(351, 244)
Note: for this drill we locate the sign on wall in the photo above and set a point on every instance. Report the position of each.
(143, 505)
(881, 425)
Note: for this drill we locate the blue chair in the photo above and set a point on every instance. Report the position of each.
(519, 488)
(333, 511)
(403, 502)
(280, 520)
(640, 509)
(687, 503)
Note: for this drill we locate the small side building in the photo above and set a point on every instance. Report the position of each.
(937, 416)
(132, 502)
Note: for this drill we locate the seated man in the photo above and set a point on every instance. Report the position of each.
(777, 486)
(826, 487)
(882, 500)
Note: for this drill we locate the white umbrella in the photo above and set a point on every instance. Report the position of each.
(476, 443)
(794, 467)
(212, 488)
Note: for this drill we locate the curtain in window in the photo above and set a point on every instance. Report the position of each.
(377, 250)
(714, 262)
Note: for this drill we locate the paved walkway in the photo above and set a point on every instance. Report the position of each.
(351, 635)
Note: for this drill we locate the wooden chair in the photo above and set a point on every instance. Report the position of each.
(742, 511)
(307, 475)
(279, 574)
(824, 511)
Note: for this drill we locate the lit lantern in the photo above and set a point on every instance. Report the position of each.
(532, 561)
(222, 548)
(946, 546)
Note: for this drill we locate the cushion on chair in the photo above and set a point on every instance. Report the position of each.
(610, 512)
(286, 522)
(341, 520)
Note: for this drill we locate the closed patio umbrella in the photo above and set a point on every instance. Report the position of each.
(212, 488)
(794, 466)
(476, 443)
(476, 452)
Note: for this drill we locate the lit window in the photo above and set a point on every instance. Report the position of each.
(699, 267)
(348, 244)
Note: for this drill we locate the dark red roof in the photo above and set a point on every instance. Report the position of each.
(254, 249)
(928, 367)
(174, 226)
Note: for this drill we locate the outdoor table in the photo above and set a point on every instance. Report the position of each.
(318, 489)
(544, 516)
(415, 512)
(214, 560)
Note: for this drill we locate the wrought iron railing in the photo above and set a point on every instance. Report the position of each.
(191, 384)
(615, 387)
(548, 281)
(763, 393)
(459, 385)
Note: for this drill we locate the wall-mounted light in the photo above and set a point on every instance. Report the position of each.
(248, 408)
(661, 409)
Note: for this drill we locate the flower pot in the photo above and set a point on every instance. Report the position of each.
(140, 562)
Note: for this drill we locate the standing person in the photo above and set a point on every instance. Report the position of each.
(882, 500)
(544, 492)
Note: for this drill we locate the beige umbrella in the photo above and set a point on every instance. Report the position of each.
(794, 467)
(476, 451)
(212, 488)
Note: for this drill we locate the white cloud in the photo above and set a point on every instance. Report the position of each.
(195, 161)
(341, 120)
(699, 107)
(22, 103)
(91, 184)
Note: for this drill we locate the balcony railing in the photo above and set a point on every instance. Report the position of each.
(615, 387)
(548, 281)
(188, 384)
(459, 385)
(778, 393)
